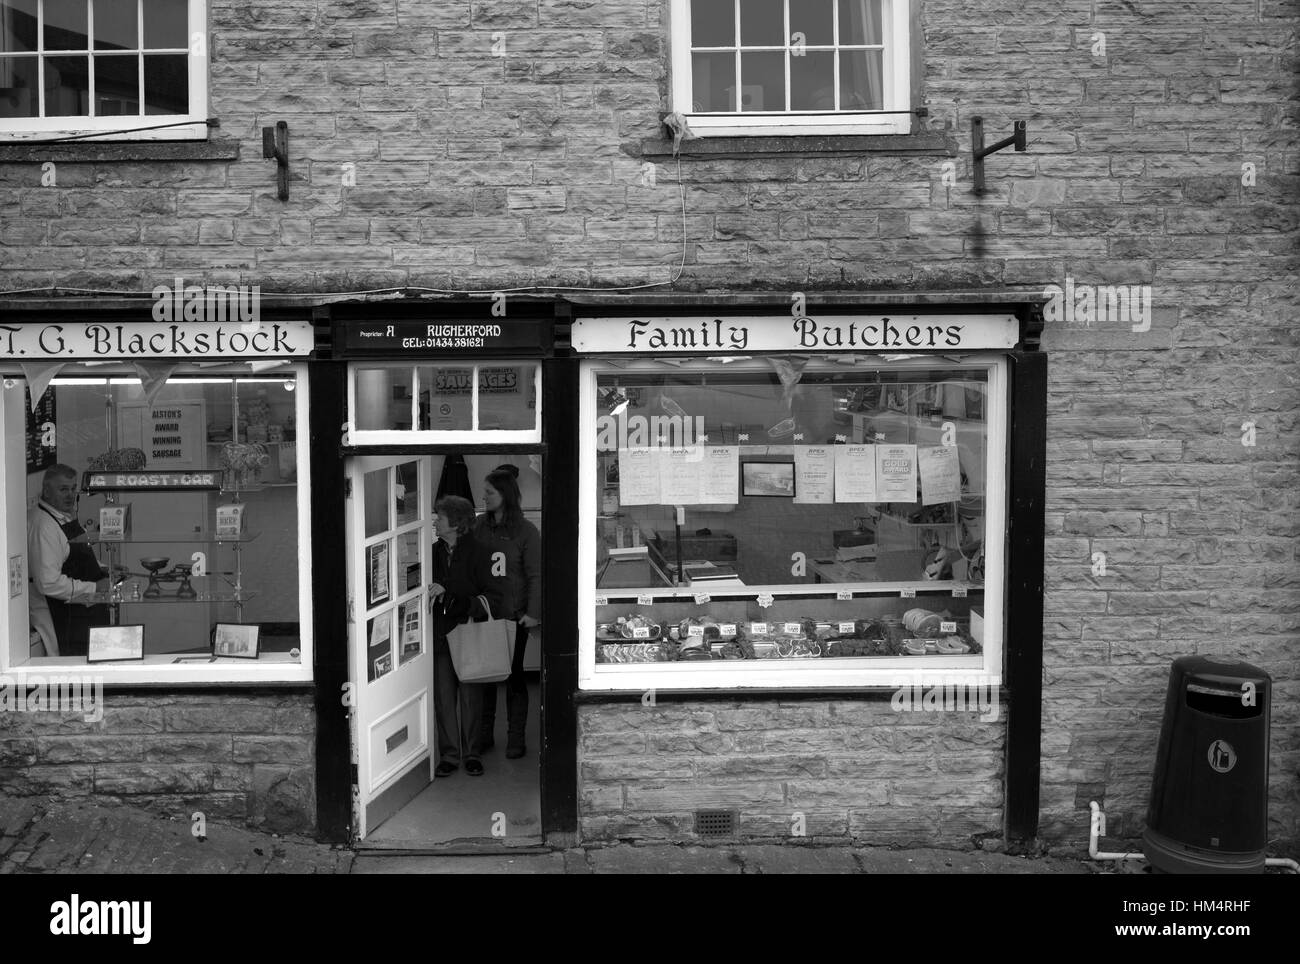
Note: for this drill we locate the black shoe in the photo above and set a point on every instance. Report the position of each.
(515, 750)
(474, 768)
(447, 769)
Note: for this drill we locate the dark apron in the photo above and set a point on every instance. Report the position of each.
(72, 621)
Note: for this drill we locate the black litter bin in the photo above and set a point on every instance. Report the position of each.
(1209, 792)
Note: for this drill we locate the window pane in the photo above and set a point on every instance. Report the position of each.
(445, 402)
(860, 22)
(406, 493)
(814, 19)
(412, 635)
(166, 84)
(18, 93)
(116, 27)
(507, 397)
(762, 81)
(408, 561)
(117, 82)
(166, 24)
(379, 645)
(67, 86)
(762, 23)
(376, 495)
(383, 399)
(17, 25)
(861, 80)
(812, 80)
(713, 23)
(65, 24)
(713, 79)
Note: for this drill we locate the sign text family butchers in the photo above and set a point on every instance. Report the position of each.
(786, 333)
(144, 339)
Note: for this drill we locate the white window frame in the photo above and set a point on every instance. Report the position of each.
(471, 436)
(877, 672)
(269, 668)
(896, 80)
(192, 125)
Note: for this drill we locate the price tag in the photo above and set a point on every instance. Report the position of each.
(948, 627)
(694, 630)
(766, 600)
(758, 629)
(602, 600)
(907, 593)
(959, 592)
(847, 628)
(793, 629)
(727, 629)
(701, 598)
(648, 600)
(641, 632)
(844, 594)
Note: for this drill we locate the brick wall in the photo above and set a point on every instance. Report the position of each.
(247, 759)
(486, 172)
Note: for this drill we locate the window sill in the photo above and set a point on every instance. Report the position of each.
(85, 152)
(803, 145)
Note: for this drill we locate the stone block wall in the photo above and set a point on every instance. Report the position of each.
(247, 759)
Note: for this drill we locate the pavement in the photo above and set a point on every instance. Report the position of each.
(39, 835)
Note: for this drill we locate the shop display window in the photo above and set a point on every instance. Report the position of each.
(402, 404)
(791, 521)
(191, 488)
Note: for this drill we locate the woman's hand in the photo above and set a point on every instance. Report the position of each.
(435, 593)
(528, 622)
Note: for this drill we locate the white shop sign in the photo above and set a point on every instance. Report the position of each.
(741, 333)
(196, 340)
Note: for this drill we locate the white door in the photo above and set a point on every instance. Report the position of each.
(390, 538)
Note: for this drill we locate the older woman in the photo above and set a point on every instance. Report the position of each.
(462, 571)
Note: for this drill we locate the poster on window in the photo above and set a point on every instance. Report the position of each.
(855, 473)
(379, 645)
(720, 475)
(679, 476)
(41, 433)
(172, 435)
(896, 473)
(814, 474)
(408, 617)
(377, 573)
(638, 476)
(940, 474)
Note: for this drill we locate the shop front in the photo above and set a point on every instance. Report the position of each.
(801, 536)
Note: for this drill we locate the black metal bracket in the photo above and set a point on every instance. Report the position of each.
(275, 143)
(979, 151)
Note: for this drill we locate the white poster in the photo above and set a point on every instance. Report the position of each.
(896, 473)
(855, 473)
(720, 475)
(679, 475)
(940, 474)
(814, 474)
(172, 435)
(638, 476)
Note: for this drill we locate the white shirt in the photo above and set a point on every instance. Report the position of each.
(47, 551)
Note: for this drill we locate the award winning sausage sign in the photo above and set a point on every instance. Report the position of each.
(144, 339)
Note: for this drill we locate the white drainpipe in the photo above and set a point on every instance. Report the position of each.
(1097, 830)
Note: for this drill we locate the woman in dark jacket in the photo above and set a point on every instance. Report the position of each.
(462, 571)
(503, 529)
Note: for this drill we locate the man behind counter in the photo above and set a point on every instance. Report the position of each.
(64, 570)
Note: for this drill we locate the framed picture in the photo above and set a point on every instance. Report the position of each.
(114, 643)
(235, 639)
(763, 479)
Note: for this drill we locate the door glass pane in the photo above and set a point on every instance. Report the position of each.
(379, 569)
(412, 636)
(65, 24)
(861, 80)
(379, 645)
(408, 561)
(166, 84)
(376, 495)
(814, 19)
(507, 397)
(713, 78)
(115, 25)
(713, 23)
(445, 401)
(812, 80)
(762, 81)
(406, 493)
(166, 24)
(383, 399)
(762, 23)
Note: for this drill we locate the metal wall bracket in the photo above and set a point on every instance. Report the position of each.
(979, 151)
(275, 143)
